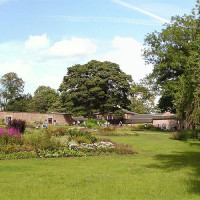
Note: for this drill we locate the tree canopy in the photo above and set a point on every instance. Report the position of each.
(12, 87)
(43, 99)
(142, 100)
(95, 87)
(174, 53)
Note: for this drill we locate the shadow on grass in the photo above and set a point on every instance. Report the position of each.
(178, 161)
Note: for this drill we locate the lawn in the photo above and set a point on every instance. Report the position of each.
(163, 169)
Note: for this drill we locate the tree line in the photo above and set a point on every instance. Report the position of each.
(175, 54)
(95, 87)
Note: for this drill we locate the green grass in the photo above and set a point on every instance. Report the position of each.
(163, 169)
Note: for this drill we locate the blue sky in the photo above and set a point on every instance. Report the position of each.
(39, 39)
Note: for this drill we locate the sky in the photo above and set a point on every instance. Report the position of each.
(40, 39)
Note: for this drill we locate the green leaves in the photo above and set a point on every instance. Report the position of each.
(95, 86)
(174, 53)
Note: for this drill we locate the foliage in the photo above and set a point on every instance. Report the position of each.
(142, 100)
(186, 134)
(18, 124)
(43, 140)
(18, 155)
(9, 136)
(2, 122)
(119, 114)
(93, 123)
(95, 86)
(62, 152)
(59, 131)
(12, 88)
(43, 99)
(81, 136)
(20, 104)
(146, 127)
(174, 53)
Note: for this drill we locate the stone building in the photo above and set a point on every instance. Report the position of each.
(49, 118)
(167, 120)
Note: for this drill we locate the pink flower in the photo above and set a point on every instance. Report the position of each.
(11, 132)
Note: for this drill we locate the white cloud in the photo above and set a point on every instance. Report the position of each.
(37, 42)
(74, 48)
(141, 10)
(19, 67)
(127, 53)
(48, 66)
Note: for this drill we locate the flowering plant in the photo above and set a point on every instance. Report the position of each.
(11, 132)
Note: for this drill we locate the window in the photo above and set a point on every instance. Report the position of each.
(99, 117)
(50, 120)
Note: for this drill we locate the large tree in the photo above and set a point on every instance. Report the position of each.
(174, 53)
(20, 104)
(142, 100)
(12, 87)
(43, 99)
(95, 87)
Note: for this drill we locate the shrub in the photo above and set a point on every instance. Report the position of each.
(106, 130)
(9, 136)
(59, 131)
(18, 124)
(124, 149)
(146, 127)
(2, 123)
(186, 134)
(93, 123)
(119, 148)
(81, 136)
(43, 140)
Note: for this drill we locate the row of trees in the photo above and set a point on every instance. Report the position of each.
(94, 87)
(175, 55)
(12, 97)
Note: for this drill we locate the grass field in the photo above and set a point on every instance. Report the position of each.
(163, 169)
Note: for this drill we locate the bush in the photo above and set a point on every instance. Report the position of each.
(2, 123)
(81, 136)
(124, 149)
(18, 124)
(43, 140)
(9, 136)
(120, 148)
(146, 127)
(59, 131)
(186, 134)
(93, 123)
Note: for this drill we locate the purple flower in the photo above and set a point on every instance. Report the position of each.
(11, 132)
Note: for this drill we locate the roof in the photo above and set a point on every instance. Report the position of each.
(147, 118)
(80, 118)
(164, 117)
(129, 112)
(138, 121)
(142, 116)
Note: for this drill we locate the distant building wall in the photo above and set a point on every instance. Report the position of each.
(51, 118)
(169, 123)
(128, 116)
